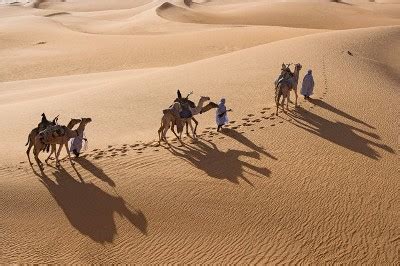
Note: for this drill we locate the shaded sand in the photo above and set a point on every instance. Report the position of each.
(316, 185)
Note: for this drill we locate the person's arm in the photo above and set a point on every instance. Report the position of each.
(223, 113)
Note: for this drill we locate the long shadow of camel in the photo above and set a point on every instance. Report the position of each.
(338, 133)
(89, 209)
(96, 171)
(333, 109)
(220, 164)
(245, 141)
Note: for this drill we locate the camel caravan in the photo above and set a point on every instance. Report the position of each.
(181, 113)
(48, 134)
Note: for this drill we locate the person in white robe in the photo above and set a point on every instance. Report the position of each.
(307, 87)
(76, 145)
(221, 114)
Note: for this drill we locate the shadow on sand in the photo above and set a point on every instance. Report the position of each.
(89, 209)
(327, 106)
(94, 170)
(245, 141)
(339, 133)
(227, 165)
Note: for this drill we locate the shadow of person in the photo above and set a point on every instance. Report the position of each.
(96, 171)
(219, 164)
(333, 109)
(338, 133)
(245, 141)
(89, 209)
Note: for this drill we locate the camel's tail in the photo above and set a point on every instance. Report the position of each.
(27, 141)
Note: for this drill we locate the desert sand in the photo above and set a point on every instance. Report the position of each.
(318, 184)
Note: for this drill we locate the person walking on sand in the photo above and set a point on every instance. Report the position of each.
(221, 115)
(307, 87)
(76, 145)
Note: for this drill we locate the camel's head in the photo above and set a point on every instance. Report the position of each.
(298, 66)
(204, 98)
(86, 120)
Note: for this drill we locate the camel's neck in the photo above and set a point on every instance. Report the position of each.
(80, 129)
(201, 103)
(71, 124)
(296, 74)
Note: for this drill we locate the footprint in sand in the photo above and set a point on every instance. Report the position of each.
(272, 118)
(261, 127)
(109, 146)
(246, 119)
(262, 112)
(232, 122)
(250, 115)
(235, 127)
(97, 157)
(272, 125)
(281, 122)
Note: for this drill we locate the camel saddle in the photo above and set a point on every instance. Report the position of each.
(52, 132)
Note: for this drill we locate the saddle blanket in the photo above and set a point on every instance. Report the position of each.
(52, 132)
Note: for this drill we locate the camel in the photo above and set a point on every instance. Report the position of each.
(70, 125)
(34, 132)
(195, 111)
(170, 119)
(285, 85)
(40, 142)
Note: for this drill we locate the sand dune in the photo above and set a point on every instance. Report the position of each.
(286, 14)
(318, 184)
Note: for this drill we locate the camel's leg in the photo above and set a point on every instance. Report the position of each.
(53, 150)
(69, 154)
(191, 128)
(28, 151)
(57, 155)
(195, 127)
(36, 150)
(164, 132)
(287, 101)
(277, 98)
(173, 130)
(159, 132)
(295, 93)
(187, 130)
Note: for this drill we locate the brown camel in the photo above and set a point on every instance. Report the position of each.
(70, 125)
(34, 132)
(286, 84)
(169, 119)
(41, 142)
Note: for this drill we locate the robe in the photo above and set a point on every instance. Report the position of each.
(221, 120)
(307, 87)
